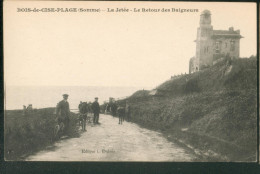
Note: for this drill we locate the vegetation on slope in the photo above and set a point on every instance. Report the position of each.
(212, 109)
(25, 134)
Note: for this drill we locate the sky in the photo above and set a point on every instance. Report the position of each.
(111, 49)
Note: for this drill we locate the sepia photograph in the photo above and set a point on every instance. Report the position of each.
(132, 81)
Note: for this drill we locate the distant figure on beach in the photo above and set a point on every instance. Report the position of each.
(121, 113)
(96, 110)
(29, 108)
(127, 111)
(24, 110)
(63, 112)
(83, 113)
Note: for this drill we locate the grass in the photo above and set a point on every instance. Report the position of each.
(26, 134)
(217, 107)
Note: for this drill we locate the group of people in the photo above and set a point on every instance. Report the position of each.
(27, 109)
(123, 112)
(63, 112)
(85, 108)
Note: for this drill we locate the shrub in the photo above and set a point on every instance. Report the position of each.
(25, 134)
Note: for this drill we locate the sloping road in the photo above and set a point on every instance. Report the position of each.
(110, 141)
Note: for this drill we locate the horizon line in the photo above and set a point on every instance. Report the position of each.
(78, 86)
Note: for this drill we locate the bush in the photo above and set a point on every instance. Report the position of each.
(191, 86)
(26, 134)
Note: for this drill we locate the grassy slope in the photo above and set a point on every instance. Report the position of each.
(25, 134)
(217, 108)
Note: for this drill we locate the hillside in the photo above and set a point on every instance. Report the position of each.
(213, 110)
(235, 75)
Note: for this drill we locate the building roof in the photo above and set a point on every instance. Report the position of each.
(227, 33)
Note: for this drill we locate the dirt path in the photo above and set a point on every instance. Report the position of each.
(110, 141)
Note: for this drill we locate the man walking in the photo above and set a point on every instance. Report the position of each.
(121, 114)
(63, 112)
(127, 111)
(83, 111)
(96, 110)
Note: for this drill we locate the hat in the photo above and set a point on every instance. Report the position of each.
(96, 97)
(65, 95)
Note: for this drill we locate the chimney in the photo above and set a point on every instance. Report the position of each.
(231, 29)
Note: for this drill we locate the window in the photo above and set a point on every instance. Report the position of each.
(232, 45)
(204, 32)
(217, 47)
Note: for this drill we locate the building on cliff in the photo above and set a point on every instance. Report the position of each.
(213, 45)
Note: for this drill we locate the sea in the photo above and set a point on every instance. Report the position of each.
(48, 96)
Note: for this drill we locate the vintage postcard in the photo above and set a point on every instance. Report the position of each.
(130, 81)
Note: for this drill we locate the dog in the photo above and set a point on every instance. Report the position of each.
(59, 128)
